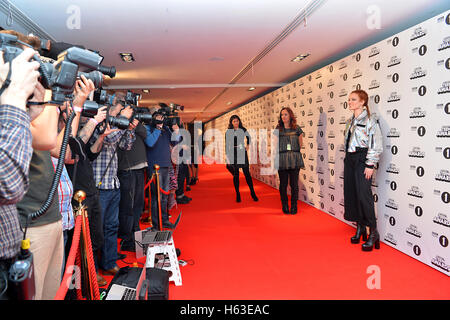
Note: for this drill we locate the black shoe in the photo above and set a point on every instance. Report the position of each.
(182, 200)
(127, 247)
(285, 207)
(255, 198)
(294, 208)
(188, 188)
(360, 231)
(374, 240)
(186, 198)
(121, 256)
(238, 198)
(168, 225)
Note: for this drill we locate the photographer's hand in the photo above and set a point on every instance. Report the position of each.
(23, 80)
(127, 112)
(83, 88)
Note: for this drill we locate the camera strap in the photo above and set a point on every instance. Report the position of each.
(7, 81)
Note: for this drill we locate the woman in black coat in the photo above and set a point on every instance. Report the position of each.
(236, 151)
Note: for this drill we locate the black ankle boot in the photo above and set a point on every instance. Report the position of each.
(294, 207)
(374, 240)
(285, 207)
(238, 197)
(255, 198)
(360, 231)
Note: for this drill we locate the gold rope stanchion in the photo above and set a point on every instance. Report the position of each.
(86, 263)
(159, 194)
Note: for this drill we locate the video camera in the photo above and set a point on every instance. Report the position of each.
(61, 77)
(170, 114)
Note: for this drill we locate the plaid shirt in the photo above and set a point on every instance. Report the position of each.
(65, 194)
(107, 179)
(15, 157)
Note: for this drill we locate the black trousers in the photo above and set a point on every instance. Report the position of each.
(289, 176)
(358, 197)
(234, 170)
(132, 204)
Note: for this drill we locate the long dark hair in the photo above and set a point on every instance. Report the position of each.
(230, 124)
(363, 96)
(292, 119)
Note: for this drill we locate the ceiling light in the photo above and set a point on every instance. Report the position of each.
(145, 90)
(300, 57)
(229, 103)
(251, 88)
(126, 56)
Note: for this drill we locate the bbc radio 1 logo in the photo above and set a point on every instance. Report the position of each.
(442, 239)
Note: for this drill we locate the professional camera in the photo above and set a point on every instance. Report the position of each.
(61, 77)
(170, 113)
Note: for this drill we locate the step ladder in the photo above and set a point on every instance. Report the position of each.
(167, 249)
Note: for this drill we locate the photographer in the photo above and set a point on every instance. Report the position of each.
(107, 182)
(131, 173)
(158, 141)
(46, 231)
(82, 175)
(15, 153)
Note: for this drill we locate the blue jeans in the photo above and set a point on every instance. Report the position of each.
(164, 184)
(109, 202)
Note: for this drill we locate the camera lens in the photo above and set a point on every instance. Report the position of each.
(95, 76)
(90, 109)
(119, 122)
(109, 71)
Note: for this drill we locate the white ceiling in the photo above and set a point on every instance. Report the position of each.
(187, 52)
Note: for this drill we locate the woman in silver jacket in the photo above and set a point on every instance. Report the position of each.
(363, 146)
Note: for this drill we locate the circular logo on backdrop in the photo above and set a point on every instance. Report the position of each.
(394, 150)
(446, 153)
(416, 250)
(395, 77)
(421, 131)
(420, 171)
(447, 63)
(447, 19)
(375, 197)
(345, 77)
(377, 65)
(392, 221)
(393, 185)
(358, 57)
(330, 68)
(320, 85)
(443, 241)
(422, 91)
(358, 87)
(331, 94)
(332, 197)
(345, 105)
(376, 99)
(395, 113)
(419, 211)
(445, 197)
(422, 50)
(332, 172)
(447, 108)
(395, 41)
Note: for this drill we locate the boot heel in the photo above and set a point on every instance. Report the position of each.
(377, 244)
(364, 237)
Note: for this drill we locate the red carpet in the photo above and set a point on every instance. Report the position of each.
(250, 250)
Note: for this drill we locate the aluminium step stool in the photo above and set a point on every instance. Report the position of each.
(167, 248)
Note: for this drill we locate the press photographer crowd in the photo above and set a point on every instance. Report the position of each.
(61, 132)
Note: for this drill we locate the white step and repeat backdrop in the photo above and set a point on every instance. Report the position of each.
(407, 77)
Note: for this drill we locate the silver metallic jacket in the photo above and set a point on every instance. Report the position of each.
(365, 132)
